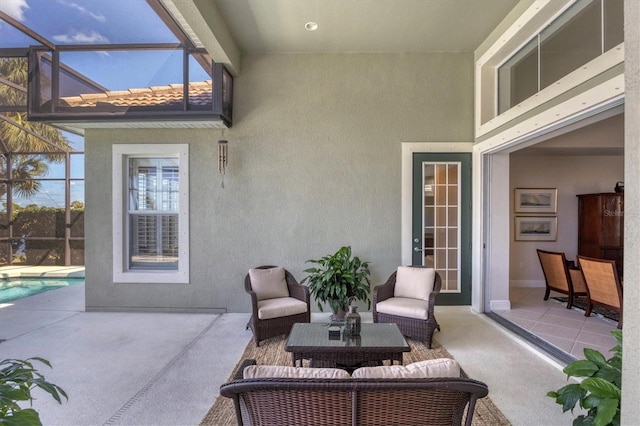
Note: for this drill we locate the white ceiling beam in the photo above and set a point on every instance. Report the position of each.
(203, 22)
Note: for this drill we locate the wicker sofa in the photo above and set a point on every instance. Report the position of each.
(327, 398)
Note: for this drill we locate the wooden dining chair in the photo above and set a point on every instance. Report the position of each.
(603, 284)
(561, 275)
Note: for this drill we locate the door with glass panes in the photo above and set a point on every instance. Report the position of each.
(441, 221)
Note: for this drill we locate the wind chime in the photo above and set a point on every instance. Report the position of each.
(222, 158)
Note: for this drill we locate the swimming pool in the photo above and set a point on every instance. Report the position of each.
(17, 288)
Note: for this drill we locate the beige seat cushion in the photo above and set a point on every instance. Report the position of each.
(269, 283)
(260, 371)
(404, 307)
(414, 283)
(280, 307)
(441, 367)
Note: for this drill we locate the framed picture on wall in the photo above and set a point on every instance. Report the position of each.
(536, 228)
(536, 200)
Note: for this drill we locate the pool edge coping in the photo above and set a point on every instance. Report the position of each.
(7, 272)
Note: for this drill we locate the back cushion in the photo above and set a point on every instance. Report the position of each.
(441, 367)
(414, 283)
(261, 371)
(269, 283)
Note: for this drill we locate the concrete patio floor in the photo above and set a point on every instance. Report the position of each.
(166, 368)
(122, 368)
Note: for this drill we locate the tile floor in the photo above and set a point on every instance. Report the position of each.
(567, 329)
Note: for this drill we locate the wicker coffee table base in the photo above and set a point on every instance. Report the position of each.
(345, 359)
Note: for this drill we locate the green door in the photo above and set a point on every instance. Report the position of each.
(441, 221)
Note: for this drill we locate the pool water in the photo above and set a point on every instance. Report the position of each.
(17, 288)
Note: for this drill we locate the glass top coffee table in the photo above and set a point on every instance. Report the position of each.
(377, 343)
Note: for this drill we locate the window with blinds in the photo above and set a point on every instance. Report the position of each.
(150, 213)
(153, 213)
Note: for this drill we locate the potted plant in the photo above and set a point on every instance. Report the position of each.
(599, 392)
(339, 280)
(17, 379)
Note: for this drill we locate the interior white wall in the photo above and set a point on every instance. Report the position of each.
(571, 175)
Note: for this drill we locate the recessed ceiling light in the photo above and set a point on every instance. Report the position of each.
(310, 26)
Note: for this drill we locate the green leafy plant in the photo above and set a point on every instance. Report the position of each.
(339, 279)
(599, 393)
(17, 379)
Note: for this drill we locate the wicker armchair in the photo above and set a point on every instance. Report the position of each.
(561, 275)
(400, 401)
(277, 302)
(603, 284)
(414, 314)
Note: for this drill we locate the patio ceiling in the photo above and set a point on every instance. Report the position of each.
(362, 25)
(229, 28)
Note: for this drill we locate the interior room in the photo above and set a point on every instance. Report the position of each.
(585, 158)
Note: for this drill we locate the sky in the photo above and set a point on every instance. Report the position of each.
(101, 22)
(90, 21)
(97, 22)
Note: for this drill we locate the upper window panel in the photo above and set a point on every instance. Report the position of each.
(518, 77)
(613, 23)
(571, 41)
(582, 33)
(69, 22)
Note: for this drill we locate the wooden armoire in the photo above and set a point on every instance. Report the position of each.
(601, 226)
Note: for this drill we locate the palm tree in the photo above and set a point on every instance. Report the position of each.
(25, 145)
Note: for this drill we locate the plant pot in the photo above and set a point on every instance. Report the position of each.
(338, 315)
(338, 280)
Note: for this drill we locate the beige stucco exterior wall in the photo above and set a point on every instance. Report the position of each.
(631, 346)
(314, 164)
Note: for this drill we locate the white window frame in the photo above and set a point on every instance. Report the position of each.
(533, 20)
(121, 273)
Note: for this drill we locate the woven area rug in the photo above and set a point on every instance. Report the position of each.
(271, 352)
(580, 303)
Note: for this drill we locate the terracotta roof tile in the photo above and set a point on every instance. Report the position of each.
(118, 93)
(91, 96)
(200, 93)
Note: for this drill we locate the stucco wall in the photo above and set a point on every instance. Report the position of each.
(314, 164)
(631, 346)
